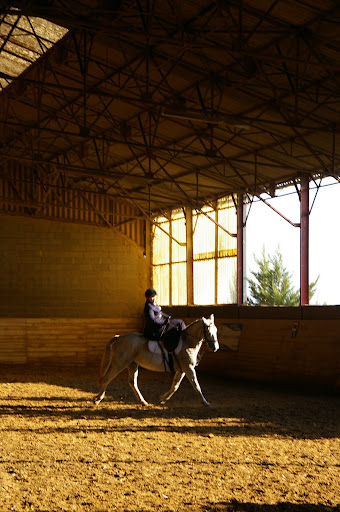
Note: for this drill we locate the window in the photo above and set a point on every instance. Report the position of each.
(169, 259)
(204, 256)
(214, 255)
(226, 292)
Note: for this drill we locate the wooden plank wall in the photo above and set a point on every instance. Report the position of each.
(59, 340)
(299, 347)
(268, 351)
(302, 350)
(13, 341)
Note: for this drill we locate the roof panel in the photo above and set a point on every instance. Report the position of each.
(24, 40)
(180, 103)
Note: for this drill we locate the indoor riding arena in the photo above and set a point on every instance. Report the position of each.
(135, 138)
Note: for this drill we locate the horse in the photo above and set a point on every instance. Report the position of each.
(131, 351)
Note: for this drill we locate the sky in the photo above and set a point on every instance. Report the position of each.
(265, 228)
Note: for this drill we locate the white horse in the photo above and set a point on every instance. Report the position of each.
(131, 350)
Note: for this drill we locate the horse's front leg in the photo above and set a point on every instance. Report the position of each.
(191, 374)
(133, 382)
(178, 377)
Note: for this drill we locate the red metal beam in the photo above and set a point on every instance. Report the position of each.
(240, 249)
(304, 242)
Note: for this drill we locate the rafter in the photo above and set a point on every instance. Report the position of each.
(94, 104)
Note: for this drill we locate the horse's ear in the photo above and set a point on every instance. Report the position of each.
(212, 318)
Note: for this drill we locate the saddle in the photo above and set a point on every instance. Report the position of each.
(155, 347)
(168, 356)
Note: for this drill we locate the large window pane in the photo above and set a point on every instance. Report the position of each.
(179, 284)
(160, 280)
(204, 282)
(203, 235)
(169, 268)
(227, 245)
(226, 281)
(161, 241)
(178, 231)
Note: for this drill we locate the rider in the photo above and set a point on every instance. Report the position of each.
(159, 325)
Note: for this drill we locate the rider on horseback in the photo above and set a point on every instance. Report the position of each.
(159, 325)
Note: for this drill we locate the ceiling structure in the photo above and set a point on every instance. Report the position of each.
(164, 103)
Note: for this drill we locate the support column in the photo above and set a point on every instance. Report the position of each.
(240, 255)
(190, 257)
(147, 252)
(304, 242)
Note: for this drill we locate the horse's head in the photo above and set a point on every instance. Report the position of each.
(210, 333)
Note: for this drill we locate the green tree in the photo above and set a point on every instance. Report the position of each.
(272, 285)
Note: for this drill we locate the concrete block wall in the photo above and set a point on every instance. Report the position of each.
(59, 269)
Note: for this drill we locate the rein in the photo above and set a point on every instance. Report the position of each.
(202, 338)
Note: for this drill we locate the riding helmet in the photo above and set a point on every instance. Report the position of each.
(150, 293)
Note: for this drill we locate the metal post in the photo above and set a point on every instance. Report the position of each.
(239, 249)
(190, 259)
(304, 242)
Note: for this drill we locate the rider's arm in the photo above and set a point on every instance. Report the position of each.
(157, 316)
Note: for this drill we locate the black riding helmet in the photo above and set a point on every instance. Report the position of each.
(150, 293)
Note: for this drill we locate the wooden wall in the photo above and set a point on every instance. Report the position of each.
(299, 347)
(70, 341)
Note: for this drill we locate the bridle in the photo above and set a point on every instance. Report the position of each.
(210, 339)
(204, 335)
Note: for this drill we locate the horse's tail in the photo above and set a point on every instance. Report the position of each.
(106, 360)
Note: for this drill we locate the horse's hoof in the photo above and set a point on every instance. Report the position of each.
(96, 402)
(207, 404)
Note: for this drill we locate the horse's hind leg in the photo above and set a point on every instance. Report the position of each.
(191, 374)
(98, 398)
(178, 377)
(133, 382)
(104, 382)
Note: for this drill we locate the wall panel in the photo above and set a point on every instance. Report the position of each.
(298, 347)
(59, 340)
(42, 192)
(57, 269)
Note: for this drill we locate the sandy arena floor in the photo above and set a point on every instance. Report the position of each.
(254, 450)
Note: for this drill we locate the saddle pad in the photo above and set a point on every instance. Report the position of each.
(155, 348)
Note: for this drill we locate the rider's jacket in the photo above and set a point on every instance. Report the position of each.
(155, 320)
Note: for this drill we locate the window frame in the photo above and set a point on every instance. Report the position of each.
(213, 214)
